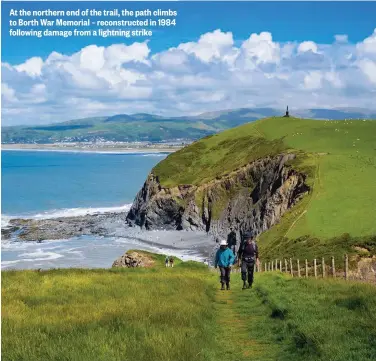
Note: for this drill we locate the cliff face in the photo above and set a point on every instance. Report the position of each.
(253, 197)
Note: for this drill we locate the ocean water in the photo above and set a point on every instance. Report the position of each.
(38, 183)
(48, 184)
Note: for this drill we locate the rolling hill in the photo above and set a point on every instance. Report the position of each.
(306, 187)
(154, 128)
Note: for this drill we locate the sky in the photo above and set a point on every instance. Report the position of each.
(220, 55)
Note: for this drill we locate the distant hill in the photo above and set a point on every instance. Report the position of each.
(154, 128)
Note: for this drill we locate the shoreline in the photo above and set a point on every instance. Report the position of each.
(90, 148)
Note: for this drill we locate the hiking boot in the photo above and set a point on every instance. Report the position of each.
(227, 286)
(244, 286)
(249, 285)
(223, 287)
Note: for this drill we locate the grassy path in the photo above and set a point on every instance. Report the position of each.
(266, 323)
(241, 329)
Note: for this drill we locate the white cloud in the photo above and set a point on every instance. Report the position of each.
(8, 94)
(341, 38)
(210, 46)
(313, 80)
(261, 48)
(368, 45)
(209, 74)
(32, 66)
(307, 46)
(368, 67)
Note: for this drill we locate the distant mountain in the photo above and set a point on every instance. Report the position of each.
(154, 128)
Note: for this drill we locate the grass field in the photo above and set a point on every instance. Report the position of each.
(138, 314)
(179, 314)
(339, 158)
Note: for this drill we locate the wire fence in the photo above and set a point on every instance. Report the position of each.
(365, 270)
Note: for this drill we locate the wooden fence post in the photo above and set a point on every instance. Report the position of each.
(276, 265)
(298, 269)
(269, 266)
(280, 265)
(323, 267)
(315, 267)
(265, 267)
(272, 265)
(306, 268)
(333, 268)
(286, 270)
(291, 269)
(346, 267)
(260, 266)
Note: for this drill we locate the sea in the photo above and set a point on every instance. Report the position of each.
(50, 184)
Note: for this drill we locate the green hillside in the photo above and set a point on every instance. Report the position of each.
(178, 314)
(339, 158)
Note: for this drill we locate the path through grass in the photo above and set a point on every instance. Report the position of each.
(180, 314)
(284, 318)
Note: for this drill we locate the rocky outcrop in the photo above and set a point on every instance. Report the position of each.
(133, 259)
(63, 227)
(253, 198)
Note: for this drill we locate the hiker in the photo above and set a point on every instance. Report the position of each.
(172, 261)
(247, 256)
(231, 240)
(167, 259)
(224, 258)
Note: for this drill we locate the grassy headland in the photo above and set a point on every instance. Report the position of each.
(338, 157)
(178, 314)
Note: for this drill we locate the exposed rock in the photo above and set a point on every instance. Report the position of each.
(133, 259)
(64, 227)
(252, 198)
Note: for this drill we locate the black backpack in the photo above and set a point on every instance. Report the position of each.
(255, 249)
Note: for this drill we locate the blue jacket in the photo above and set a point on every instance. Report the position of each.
(224, 258)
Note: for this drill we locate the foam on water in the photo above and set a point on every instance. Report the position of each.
(76, 212)
(68, 212)
(85, 251)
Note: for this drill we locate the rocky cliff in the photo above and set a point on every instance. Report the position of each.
(253, 197)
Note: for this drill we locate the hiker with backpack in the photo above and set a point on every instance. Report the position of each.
(224, 258)
(171, 261)
(231, 240)
(247, 257)
(167, 259)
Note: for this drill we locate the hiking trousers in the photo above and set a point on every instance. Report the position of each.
(247, 269)
(225, 274)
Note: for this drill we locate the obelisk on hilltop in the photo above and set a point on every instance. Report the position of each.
(287, 113)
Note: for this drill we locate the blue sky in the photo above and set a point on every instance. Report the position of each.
(220, 55)
(287, 21)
